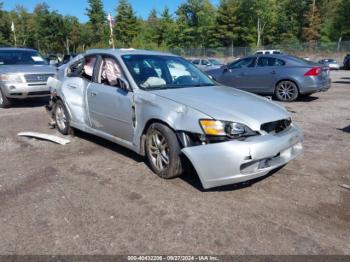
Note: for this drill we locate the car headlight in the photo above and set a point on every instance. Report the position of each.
(11, 78)
(224, 128)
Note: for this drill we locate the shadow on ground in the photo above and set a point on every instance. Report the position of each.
(109, 145)
(32, 102)
(345, 129)
(190, 176)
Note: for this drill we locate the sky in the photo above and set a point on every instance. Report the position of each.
(77, 7)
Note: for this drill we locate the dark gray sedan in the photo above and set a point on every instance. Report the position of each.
(285, 77)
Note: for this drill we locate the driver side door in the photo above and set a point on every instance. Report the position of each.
(110, 106)
(237, 74)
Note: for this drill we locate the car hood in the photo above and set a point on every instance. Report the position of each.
(28, 69)
(227, 103)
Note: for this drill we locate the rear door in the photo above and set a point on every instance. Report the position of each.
(110, 106)
(266, 73)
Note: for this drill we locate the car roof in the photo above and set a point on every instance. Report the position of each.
(16, 49)
(125, 51)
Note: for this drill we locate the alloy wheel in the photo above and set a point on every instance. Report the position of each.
(60, 117)
(287, 91)
(1, 98)
(158, 149)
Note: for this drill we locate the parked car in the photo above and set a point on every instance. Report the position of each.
(284, 76)
(130, 97)
(207, 64)
(331, 63)
(67, 58)
(23, 74)
(347, 62)
(268, 52)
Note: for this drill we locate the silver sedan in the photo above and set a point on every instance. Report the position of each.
(163, 107)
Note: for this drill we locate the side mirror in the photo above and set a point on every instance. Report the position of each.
(123, 84)
(225, 68)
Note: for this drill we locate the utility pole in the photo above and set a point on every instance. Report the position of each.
(13, 29)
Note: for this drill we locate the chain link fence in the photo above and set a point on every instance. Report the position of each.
(313, 50)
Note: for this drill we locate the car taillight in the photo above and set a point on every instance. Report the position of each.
(315, 71)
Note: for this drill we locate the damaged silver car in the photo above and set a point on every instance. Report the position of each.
(162, 107)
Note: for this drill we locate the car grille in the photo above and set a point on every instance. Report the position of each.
(39, 93)
(276, 126)
(37, 77)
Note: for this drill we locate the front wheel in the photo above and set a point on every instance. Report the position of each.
(4, 101)
(286, 91)
(163, 151)
(61, 118)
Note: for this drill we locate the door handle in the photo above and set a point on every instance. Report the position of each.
(72, 86)
(243, 74)
(273, 72)
(93, 94)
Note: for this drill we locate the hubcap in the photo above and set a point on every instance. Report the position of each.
(158, 150)
(287, 90)
(60, 118)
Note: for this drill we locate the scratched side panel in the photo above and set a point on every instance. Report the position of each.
(150, 106)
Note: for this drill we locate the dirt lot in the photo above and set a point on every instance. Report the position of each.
(94, 197)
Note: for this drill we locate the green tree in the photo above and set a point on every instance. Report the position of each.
(127, 25)
(97, 21)
(226, 23)
(342, 21)
(5, 27)
(311, 31)
(195, 23)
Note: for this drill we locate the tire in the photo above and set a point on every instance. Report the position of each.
(61, 118)
(163, 151)
(4, 101)
(286, 91)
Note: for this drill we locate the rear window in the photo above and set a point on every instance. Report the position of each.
(21, 57)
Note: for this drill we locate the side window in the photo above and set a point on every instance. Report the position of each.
(195, 62)
(110, 71)
(270, 61)
(83, 68)
(88, 68)
(205, 62)
(243, 63)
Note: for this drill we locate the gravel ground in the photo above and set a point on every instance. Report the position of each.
(94, 197)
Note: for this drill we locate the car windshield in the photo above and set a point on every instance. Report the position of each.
(21, 57)
(163, 72)
(214, 62)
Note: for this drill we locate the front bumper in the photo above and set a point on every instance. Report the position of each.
(238, 161)
(25, 90)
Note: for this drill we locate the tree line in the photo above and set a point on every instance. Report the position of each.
(195, 24)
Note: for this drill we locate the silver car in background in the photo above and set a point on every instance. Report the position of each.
(136, 99)
(207, 64)
(331, 63)
(285, 77)
(23, 74)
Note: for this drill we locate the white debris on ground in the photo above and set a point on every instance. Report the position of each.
(41, 136)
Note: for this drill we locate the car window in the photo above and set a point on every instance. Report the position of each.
(259, 53)
(205, 62)
(214, 62)
(270, 61)
(195, 62)
(243, 63)
(21, 57)
(276, 52)
(110, 72)
(164, 72)
(83, 68)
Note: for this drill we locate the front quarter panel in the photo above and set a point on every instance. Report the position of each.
(151, 107)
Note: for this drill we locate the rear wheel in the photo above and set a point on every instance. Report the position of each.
(61, 118)
(4, 101)
(163, 151)
(287, 91)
